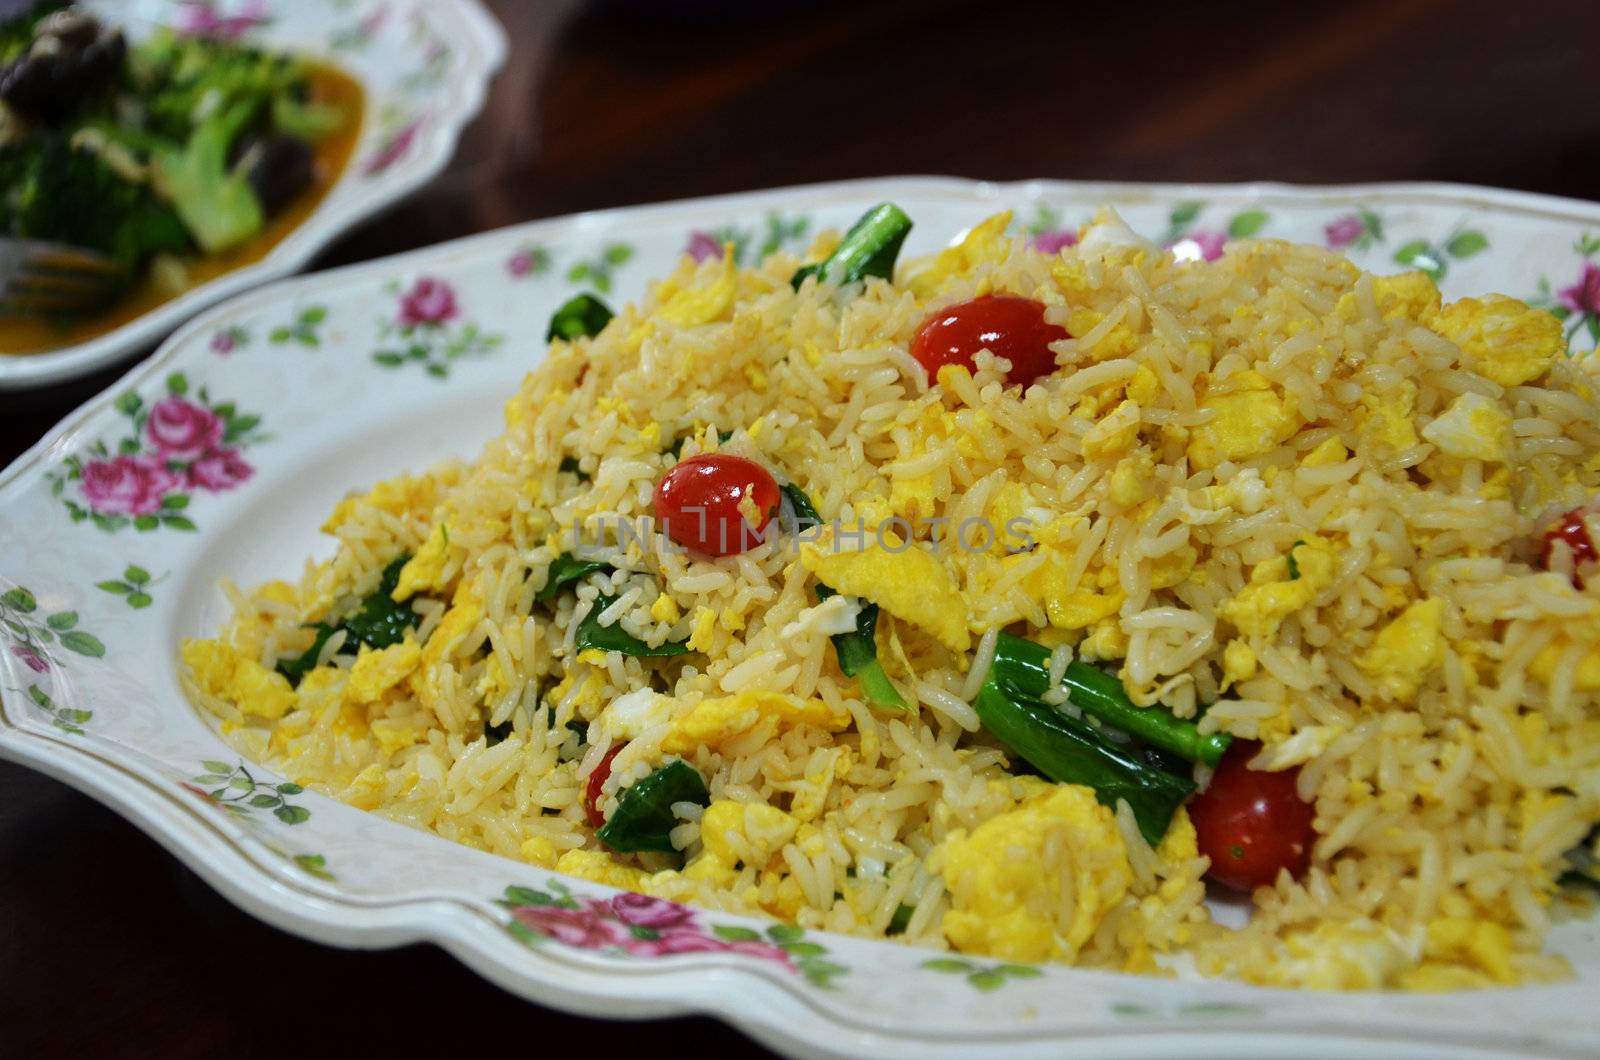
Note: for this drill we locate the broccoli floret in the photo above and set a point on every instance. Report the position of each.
(184, 81)
(52, 190)
(217, 204)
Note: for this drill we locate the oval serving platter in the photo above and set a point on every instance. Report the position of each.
(330, 382)
(425, 68)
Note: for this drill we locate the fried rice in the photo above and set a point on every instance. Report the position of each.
(1435, 688)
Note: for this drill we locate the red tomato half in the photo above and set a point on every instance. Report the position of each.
(597, 780)
(1006, 326)
(697, 503)
(1573, 528)
(1251, 823)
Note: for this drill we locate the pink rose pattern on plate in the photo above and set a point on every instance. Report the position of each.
(207, 18)
(422, 331)
(638, 926)
(1576, 301)
(179, 445)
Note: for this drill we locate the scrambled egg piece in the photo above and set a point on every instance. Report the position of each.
(413, 495)
(730, 831)
(426, 569)
(229, 674)
(1472, 428)
(1133, 479)
(1342, 956)
(1408, 296)
(601, 867)
(457, 624)
(1114, 434)
(910, 584)
(1118, 342)
(1585, 678)
(1238, 663)
(713, 722)
(1405, 650)
(703, 631)
(1005, 878)
(631, 713)
(1386, 419)
(375, 672)
(1249, 421)
(693, 306)
(1502, 339)
(1277, 589)
(1331, 451)
(985, 242)
(1077, 608)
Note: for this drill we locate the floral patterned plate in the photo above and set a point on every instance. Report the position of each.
(425, 66)
(221, 455)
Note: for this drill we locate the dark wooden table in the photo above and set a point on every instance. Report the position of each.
(108, 947)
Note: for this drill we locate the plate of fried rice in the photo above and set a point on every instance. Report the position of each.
(900, 617)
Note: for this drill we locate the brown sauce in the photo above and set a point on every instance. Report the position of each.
(25, 335)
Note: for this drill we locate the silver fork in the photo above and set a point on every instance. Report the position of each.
(38, 278)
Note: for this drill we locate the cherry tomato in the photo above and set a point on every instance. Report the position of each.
(698, 501)
(1006, 326)
(1252, 823)
(597, 779)
(1573, 528)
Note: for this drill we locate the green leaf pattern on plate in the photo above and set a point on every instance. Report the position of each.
(235, 789)
(981, 975)
(134, 587)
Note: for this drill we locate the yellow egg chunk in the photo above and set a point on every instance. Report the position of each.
(229, 674)
(1278, 589)
(1503, 339)
(601, 867)
(902, 578)
(443, 642)
(1472, 428)
(1247, 423)
(713, 722)
(426, 570)
(1405, 650)
(750, 832)
(1007, 878)
(375, 672)
(985, 242)
(693, 306)
(1407, 296)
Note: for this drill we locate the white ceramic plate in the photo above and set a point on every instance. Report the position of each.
(308, 388)
(425, 66)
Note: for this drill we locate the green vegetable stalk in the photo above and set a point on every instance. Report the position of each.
(868, 249)
(1025, 666)
(591, 634)
(643, 819)
(857, 649)
(581, 316)
(1070, 751)
(380, 622)
(565, 570)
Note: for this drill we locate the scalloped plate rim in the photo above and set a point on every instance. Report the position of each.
(693, 984)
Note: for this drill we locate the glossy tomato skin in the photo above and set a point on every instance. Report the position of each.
(1252, 823)
(1006, 326)
(597, 780)
(697, 502)
(1573, 528)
